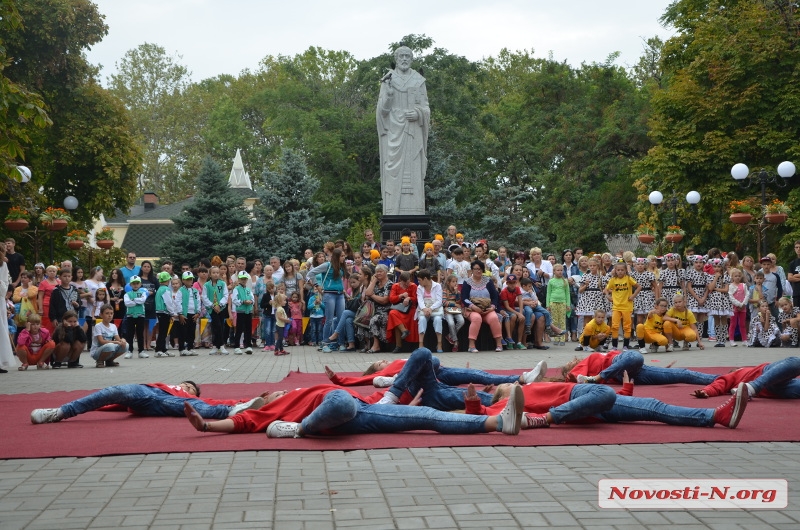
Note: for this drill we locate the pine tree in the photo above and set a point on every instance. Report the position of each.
(288, 220)
(214, 223)
(441, 190)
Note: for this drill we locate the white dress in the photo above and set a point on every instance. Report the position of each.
(7, 360)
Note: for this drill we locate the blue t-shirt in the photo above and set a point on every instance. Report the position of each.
(128, 273)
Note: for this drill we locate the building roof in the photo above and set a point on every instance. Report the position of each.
(145, 239)
(239, 178)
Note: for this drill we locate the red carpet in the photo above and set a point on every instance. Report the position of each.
(110, 433)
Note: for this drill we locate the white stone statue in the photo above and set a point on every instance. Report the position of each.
(404, 119)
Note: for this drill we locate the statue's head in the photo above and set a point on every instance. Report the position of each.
(403, 57)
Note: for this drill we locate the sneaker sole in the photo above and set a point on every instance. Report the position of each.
(519, 405)
(742, 395)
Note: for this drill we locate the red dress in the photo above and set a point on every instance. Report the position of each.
(47, 288)
(397, 317)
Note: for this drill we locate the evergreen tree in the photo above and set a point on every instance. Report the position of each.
(288, 220)
(214, 223)
(442, 188)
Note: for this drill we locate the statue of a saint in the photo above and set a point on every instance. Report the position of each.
(403, 118)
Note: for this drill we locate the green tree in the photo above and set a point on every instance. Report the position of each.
(89, 151)
(288, 219)
(152, 84)
(214, 223)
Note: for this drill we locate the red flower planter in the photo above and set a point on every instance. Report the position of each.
(776, 218)
(673, 238)
(56, 225)
(646, 238)
(16, 225)
(105, 243)
(740, 218)
(75, 245)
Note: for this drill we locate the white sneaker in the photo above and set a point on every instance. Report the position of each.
(388, 399)
(161, 354)
(654, 348)
(732, 344)
(249, 351)
(143, 355)
(168, 354)
(128, 355)
(382, 381)
(183, 353)
(586, 379)
(669, 348)
(512, 413)
(223, 351)
(255, 403)
(587, 348)
(191, 353)
(686, 346)
(283, 429)
(152, 344)
(644, 351)
(535, 375)
(45, 416)
(238, 351)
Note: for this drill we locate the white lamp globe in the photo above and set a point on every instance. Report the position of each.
(693, 197)
(740, 171)
(655, 197)
(786, 169)
(70, 203)
(25, 172)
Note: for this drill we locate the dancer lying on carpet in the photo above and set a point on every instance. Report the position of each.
(328, 410)
(153, 399)
(557, 402)
(608, 367)
(544, 405)
(381, 374)
(768, 380)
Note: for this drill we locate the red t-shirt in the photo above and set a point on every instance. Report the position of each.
(724, 383)
(510, 297)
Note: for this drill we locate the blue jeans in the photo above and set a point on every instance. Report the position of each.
(633, 362)
(100, 350)
(628, 408)
(584, 401)
(463, 376)
(316, 329)
(779, 378)
(341, 413)
(268, 328)
(539, 311)
(344, 328)
(422, 323)
(143, 400)
(334, 307)
(418, 374)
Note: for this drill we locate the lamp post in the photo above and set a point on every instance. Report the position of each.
(656, 198)
(742, 174)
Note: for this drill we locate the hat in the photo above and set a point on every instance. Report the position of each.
(187, 275)
(374, 254)
(163, 276)
(405, 240)
(428, 246)
(765, 258)
(438, 237)
(511, 278)
(243, 276)
(135, 279)
(454, 246)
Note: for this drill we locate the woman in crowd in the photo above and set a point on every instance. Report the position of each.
(378, 292)
(334, 275)
(403, 299)
(481, 300)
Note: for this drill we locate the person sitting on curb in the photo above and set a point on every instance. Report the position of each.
(329, 410)
(769, 380)
(151, 399)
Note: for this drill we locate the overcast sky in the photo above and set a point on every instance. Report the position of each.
(216, 37)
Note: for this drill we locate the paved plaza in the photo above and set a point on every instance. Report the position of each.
(482, 487)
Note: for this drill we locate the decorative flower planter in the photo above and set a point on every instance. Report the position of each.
(646, 238)
(740, 218)
(75, 245)
(105, 243)
(16, 225)
(673, 238)
(56, 225)
(776, 218)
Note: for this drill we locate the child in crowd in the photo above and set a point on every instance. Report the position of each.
(756, 293)
(215, 300)
(697, 281)
(621, 290)
(190, 314)
(645, 301)
(685, 327)
(514, 318)
(106, 343)
(788, 320)
(406, 261)
(558, 301)
(70, 341)
(281, 320)
(591, 293)
(135, 300)
(671, 279)
(34, 345)
(452, 310)
(26, 296)
(739, 297)
(64, 298)
(430, 263)
(242, 302)
(764, 332)
(655, 328)
(719, 302)
(595, 333)
(268, 316)
(163, 305)
(296, 314)
(458, 265)
(316, 312)
(531, 308)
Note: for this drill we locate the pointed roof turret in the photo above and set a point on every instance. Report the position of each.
(239, 177)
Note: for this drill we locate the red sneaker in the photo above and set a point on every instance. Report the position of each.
(532, 421)
(730, 412)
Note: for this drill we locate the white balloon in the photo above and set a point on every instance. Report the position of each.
(740, 171)
(655, 197)
(693, 197)
(25, 172)
(786, 169)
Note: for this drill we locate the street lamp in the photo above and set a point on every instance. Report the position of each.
(656, 197)
(742, 174)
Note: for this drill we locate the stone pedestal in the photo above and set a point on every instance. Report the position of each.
(392, 225)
